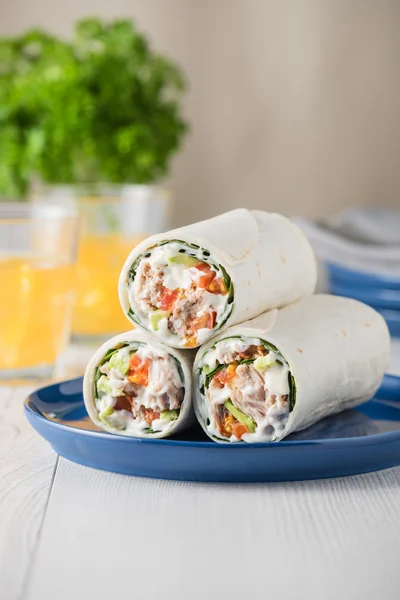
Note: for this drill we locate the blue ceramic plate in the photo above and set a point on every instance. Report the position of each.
(356, 441)
(341, 275)
(390, 389)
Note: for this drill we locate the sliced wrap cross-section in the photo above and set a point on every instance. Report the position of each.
(137, 386)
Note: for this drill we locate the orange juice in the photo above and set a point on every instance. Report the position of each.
(100, 259)
(36, 298)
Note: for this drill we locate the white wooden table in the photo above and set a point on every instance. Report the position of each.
(69, 532)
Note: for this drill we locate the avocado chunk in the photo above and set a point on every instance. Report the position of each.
(169, 415)
(262, 363)
(156, 317)
(184, 259)
(119, 362)
(106, 413)
(241, 416)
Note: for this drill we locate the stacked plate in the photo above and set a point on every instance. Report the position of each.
(379, 291)
(359, 252)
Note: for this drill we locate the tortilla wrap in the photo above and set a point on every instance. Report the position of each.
(186, 284)
(289, 368)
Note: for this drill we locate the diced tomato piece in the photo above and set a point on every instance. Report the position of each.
(140, 378)
(138, 370)
(168, 298)
(206, 321)
(217, 286)
(213, 317)
(239, 429)
(135, 361)
(225, 376)
(206, 280)
(203, 266)
(209, 275)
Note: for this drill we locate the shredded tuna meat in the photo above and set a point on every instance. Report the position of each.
(163, 391)
(185, 312)
(151, 285)
(248, 392)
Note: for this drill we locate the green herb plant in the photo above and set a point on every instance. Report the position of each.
(103, 107)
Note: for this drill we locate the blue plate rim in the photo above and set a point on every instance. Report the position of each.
(385, 437)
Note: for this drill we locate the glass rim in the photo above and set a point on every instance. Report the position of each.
(97, 191)
(19, 212)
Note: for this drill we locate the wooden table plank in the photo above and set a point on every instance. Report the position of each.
(109, 536)
(27, 465)
(26, 470)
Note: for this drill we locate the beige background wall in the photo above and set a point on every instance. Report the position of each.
(294, 104)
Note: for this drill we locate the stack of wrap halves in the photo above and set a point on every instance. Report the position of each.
(226, 323)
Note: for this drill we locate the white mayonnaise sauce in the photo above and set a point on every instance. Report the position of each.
(105, 401)
(178, 276)
(277, 380)
(121, 419)
(202, 335)
(164, 331)
(219, 395)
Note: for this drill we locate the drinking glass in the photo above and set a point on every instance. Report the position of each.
(113, 221)
(38, 246)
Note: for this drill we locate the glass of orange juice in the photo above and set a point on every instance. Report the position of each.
(113, 221)
(38, 246)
